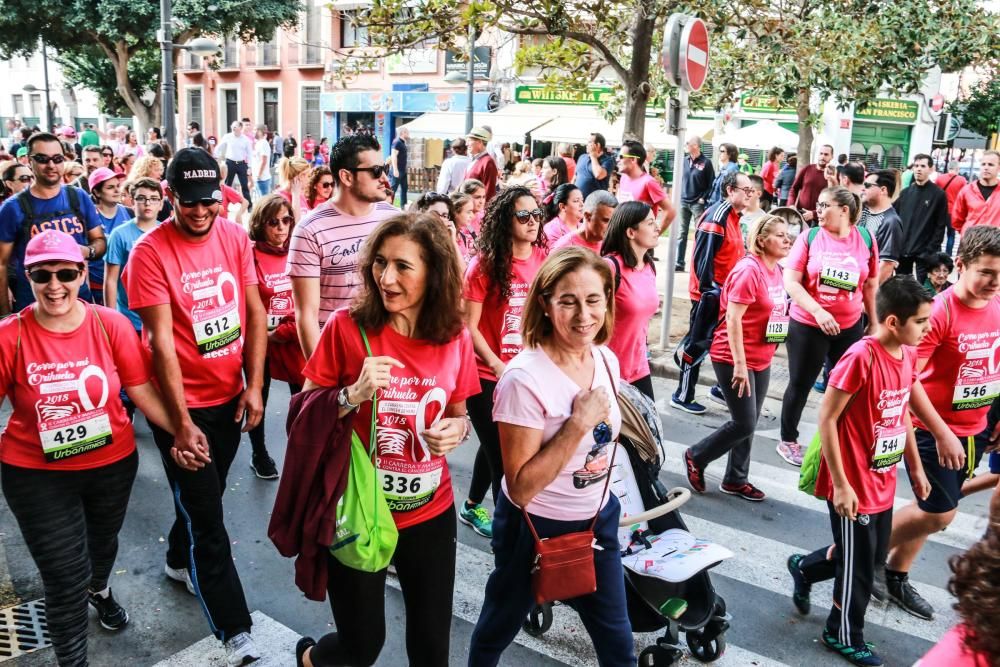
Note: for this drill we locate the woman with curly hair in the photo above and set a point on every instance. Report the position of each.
(511, 250)
(319, 188)
(974, 642)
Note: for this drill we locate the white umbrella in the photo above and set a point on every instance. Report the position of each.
(762, 135)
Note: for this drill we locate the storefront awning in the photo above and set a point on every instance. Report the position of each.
(511, 123)
(578, 131)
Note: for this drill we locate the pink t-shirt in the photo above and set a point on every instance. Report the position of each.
(834, 271)
(750, 283)
(645, 188)
(636, 302)
(555, 229)
(204, 283)
(535, 393)
(962, 375)
(573, 239)
(416, 483)
(327, 245)
(500, 321)
(953, 652)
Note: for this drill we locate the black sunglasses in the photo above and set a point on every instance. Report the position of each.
(202, 202)
(283, 220)
(378, 171)
(41, 158)
(327, 184)
(108, 154)
(602, 433)
(524, 216)
(22, 179)
(43, 276)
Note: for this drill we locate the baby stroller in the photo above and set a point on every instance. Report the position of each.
(666, 568)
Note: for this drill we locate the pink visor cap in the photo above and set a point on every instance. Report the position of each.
(52, 246)
(100, 175)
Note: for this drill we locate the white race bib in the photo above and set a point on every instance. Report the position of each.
(777, 329)
(407, 486)
(840, 278)
(77, 434)
(888, 449)
(215, 329)
(970, 394)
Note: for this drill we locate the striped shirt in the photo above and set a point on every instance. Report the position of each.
(326, 245)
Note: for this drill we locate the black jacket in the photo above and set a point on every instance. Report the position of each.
(923, 210)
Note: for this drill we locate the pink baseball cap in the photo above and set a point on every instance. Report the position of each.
(52, 246)
(100, 175)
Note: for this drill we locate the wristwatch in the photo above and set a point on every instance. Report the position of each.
(91, 252)
(344, 402)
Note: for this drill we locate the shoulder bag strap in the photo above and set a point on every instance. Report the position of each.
(371, 436)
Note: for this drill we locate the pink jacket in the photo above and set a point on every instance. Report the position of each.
(971, 209)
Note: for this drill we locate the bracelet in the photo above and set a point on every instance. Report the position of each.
(468, 428)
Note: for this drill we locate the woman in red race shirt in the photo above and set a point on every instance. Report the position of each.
(271, 226)
(67, 454)
(512, 249)
(422, 367)
(744, 344)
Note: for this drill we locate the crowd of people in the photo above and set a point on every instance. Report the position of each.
(508, 304)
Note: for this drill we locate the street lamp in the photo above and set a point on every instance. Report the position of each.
(468, 79)
(200, 47)
(29, 88)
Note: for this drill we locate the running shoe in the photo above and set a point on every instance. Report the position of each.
(241, 650)
(715, 393)
(478, 518)
(263, 466)
(802, 588)
(691, 407)
(181, 576)
(879, 591)
(111, 614)
(905, 596)
(820, 386)
(745, 491)
(301, 647)
(856, 655)
(696, 478)
(790, 451)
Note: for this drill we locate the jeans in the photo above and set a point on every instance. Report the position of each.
(238, 170)
(401, 184)
(488, 468)
(508, 591)
(689, 212)
(264, 187)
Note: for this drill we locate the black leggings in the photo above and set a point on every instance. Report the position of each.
(257, 433)
(488, 468)
(807, 348)
(70, 521)
(645, 385)
(425, 564)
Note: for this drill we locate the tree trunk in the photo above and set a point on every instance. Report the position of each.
(148, 116)
(637, 88)
(805, 129)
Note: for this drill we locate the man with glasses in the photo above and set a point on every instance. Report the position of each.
(881, 220)
(323, 253)
(46, 204)
(635, 184)
(193, 282)
(237, 149)
(923, 208)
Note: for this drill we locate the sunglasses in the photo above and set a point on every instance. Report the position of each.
(22, 179)
(872, 185)
(624, 155)
(43, 276)
(378, 171)
(108, 154)
(41, 158)
(328, 184)
(524, 216)
(207, 202)
(283, 220)
(602, 433)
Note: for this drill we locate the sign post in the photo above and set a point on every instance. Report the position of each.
(685, 61)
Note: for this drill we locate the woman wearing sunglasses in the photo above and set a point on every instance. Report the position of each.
(511, 250)
(558, 418)
(15, 177)
(271, 224)
(67, 454)
(319, 189)
(420, 365)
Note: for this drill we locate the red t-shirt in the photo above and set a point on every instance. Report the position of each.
(750, 283)
(645, 188)
(570, 168)
(872, 430)
(484, 170)
(952, 651)
(574, 239)
(434, 377)
(284, 354)
(500, 321)
(962, 375)
(64, 389)
(308, 148)
(834, 271)
(636, 301)
(230, 196)
(204, 284)
(767, 174)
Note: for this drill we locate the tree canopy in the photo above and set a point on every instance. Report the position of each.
(980, 111)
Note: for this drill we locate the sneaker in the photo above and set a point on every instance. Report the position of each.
(111, 614)
(263, 466)
(905, 596)
(181, 576)
(856, 655)
(790, 451)
(879, 592)
(679, 268)
(820, 386)
(715, 393)
(240, 650)
(745, 491)
(301, 647)
(696, 478)
(478, 518)
(692, 407)
(802, 589)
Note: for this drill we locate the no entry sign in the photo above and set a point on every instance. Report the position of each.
(693, 54)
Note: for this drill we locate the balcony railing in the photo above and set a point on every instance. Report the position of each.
(230, 57)
(312, 54)
(264, 56)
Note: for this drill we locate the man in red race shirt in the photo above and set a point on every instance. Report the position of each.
(193, 283)
(483, 167)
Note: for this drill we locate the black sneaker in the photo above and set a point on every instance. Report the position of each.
(802, 590)
(879, 592)
(301, 647)
(856, 655)
(263, 467)
(906, 597)
(111, 614)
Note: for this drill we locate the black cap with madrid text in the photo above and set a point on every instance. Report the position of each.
(193, 175)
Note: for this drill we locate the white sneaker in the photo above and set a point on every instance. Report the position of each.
(240, 650)
(181, 576)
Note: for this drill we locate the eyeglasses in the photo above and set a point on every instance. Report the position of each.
(22, 179)
(378, 171)
(43, 276)
(748, 191)
(286, 220)
(524, 216)
(42, 158)
(328, 184)
(143, 200)
(602, 433)
(822, 206)
(873, 184)
(198, 202)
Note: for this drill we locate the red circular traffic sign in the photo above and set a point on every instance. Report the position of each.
(694, 54)
(937, 103)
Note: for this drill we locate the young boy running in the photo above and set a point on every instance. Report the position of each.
(865, 431)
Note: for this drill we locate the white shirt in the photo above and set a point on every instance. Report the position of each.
(452, 173)
(261, 150)
(237, 149)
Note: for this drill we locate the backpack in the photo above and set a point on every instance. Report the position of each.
(865, 236)
(24, 201)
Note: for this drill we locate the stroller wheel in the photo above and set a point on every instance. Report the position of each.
(539, 620)
(705, 649)
(659, 656)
